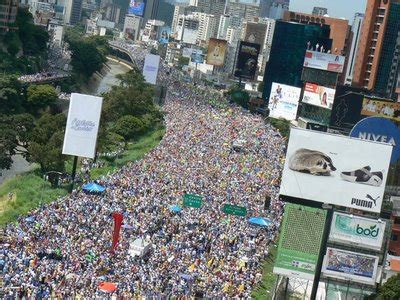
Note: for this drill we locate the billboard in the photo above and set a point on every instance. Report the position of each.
(300, 241)
(82, 125)
(318, 95)
(284, 101)
(349, 265)
(150, 69)
(165, 33)
(380, 130)
(216, 52)
(324, 61)
(137, 7)
(381, 108)
(355, 230)
(255, 33)
(346, 110)
(246, 61)
(335, 169)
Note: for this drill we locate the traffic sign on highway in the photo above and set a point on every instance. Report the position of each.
(234, 210)
(192, 200)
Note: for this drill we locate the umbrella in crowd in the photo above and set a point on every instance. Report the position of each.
(107, 287)
(260, 221)
(175, 208)
(94, 188)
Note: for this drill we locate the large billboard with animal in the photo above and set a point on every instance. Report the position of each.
(335, 169)
(351, 266)
(216, 52)
(246, 60)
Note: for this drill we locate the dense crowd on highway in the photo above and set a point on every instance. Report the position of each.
(62, 249)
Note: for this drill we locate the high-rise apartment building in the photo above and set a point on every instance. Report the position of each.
(247, 11)
(319, 11)
(208, 26)
(150, 10)
(288, 49)
(355, 35)
(265, 6)
(179, 10)
(226, 21)
(8, 13)
(73, 11)
(376, 65)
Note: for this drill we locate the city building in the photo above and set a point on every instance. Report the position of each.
(355, 34)
(8, 13)
(265, 7)
(56, 32)
(339, 28)
(394, 243)
(375, 65)
(270, 23)
(187, 29)
(247, 11)
(73, 11)
(174, 52)
(226, 21)
(150, 10)
(278, 8)
(319, 11)
(208, 26)
(152, 30)
(132, 25)
(179, 10)
(289, 45)
(112, 13)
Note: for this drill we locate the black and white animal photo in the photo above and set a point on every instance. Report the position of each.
(312, 162)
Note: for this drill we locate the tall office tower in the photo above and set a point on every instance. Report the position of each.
(150, 10)
(355, 34)
(8, 13)
(339, 28)
(319, 11)
(73, 11)
(288, 50)
(278, 8)
(375, 60)
(265, 6)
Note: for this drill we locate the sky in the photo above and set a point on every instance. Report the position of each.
(336, 8)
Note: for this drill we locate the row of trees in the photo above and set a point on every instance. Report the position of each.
(36, 131)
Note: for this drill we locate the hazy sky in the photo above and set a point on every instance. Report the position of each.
(336, 8)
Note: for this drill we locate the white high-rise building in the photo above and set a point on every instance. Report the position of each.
(187, 29)
(278, 8)
(226, 21)
(207, 26)
(267, 43)
(179, 10)
(356, 33)
(248, 11)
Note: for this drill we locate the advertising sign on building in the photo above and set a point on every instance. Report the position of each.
(150, 69)
(324, 61)
(246, 61)
(349, 265)
(216, 52)
(381, 108)
(255, 33)
(321, 166)
(137, 7)
(318, 95)
(284, 101)
(355, 230)
(300, 241)
(165, 33)
(82, 125)
(380, 130)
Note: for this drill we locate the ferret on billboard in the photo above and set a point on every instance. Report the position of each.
(216, 52)
(336, 170)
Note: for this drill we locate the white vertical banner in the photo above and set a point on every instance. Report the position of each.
(150, 69)
(82, 125)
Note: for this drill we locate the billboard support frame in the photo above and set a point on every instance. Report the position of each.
(322, 250)
(73, 174)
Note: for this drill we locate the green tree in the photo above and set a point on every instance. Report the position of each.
(14, 135)
(390, 290)
(11, 95)
(13, 43)
(129, 127)
(41, 96)
(183, 61)
(45, 143)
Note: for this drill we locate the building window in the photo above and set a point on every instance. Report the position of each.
(394, 237)
(397, 220)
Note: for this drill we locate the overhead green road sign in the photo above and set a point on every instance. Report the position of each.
(234, 210)
(192, 200)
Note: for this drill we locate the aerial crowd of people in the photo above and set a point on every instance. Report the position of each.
(62, 249)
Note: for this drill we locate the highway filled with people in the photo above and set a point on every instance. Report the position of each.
(62, 249)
